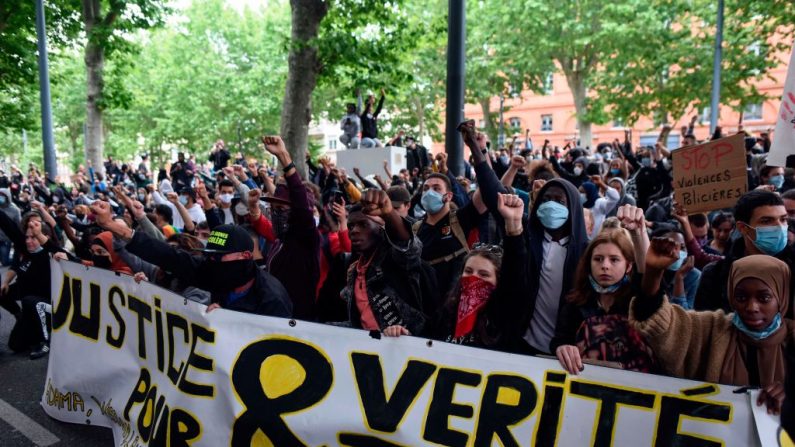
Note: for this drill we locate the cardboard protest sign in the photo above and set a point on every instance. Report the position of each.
(161, 371)
(784, 136)
(710, 176)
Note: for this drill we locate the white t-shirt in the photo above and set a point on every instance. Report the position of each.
(550, 286)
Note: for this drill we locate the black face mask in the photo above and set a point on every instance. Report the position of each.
(223, 277)
(80, 216)
(102, 262)
(280, 220)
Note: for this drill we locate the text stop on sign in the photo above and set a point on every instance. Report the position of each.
(710, 176)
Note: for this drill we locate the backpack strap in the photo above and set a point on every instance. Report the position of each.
(458, 232)
(415, 227)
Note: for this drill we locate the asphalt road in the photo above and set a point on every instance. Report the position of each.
(23, 423)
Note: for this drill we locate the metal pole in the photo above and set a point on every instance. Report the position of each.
(501, 135)
(50, 164)
(715, 104)
(456, 69)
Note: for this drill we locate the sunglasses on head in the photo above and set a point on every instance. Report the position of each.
(490, 248)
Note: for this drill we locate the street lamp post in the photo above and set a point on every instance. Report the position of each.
(48, 142)
(456, 70)
(714, 114)
(501, 134)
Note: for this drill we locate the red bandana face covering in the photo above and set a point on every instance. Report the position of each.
(475, 293)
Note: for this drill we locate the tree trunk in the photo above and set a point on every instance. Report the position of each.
(95, 62)
(420, 118)
(303, 69)
(576, 83)
(488, 117)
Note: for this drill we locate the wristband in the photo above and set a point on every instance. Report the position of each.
(288, 167)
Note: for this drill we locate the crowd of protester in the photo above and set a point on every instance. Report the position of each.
(578, 253)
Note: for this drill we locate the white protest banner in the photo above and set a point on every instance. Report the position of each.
(159, 371)
(710, 176)
(784, 135)
(766, 424)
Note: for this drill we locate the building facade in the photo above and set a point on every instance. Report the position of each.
(551, 116)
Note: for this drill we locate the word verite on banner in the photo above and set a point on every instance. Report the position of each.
(163, 372)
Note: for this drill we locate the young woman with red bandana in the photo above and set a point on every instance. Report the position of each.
(473, 310)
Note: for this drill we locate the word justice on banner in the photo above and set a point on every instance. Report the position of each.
(710, 176)
(159, 371)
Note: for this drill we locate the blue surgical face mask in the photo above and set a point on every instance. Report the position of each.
(771, 240)
(432, 201)
(552, 215)
(183, 200)
(607, 289)
(757, 335)
(583, 197)
(776, 180)
(615, 172)
(678, 264)
(646, 162)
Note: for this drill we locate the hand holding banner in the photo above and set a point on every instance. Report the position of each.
(159, 370)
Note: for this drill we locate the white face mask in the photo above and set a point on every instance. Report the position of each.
(226, 199)
(577, 170)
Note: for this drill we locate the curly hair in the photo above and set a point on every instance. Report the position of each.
(541, 170)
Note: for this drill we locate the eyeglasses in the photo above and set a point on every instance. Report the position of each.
(489, 248)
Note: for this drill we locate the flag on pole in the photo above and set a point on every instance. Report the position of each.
(784, 136)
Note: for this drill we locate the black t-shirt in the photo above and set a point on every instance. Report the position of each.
(33, 274)
(439, 241)
(179, 173)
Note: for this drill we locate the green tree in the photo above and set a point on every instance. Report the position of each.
(348, 44)
(108, 24)
(219, 73)
(669, 68)
(578, 37)
(18, 57)
(494, 64)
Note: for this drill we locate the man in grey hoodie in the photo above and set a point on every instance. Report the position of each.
(351, 125)
(8, 207)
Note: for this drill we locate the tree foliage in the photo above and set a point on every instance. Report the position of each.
(668, 68)
(217, 72)
(18, 56)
